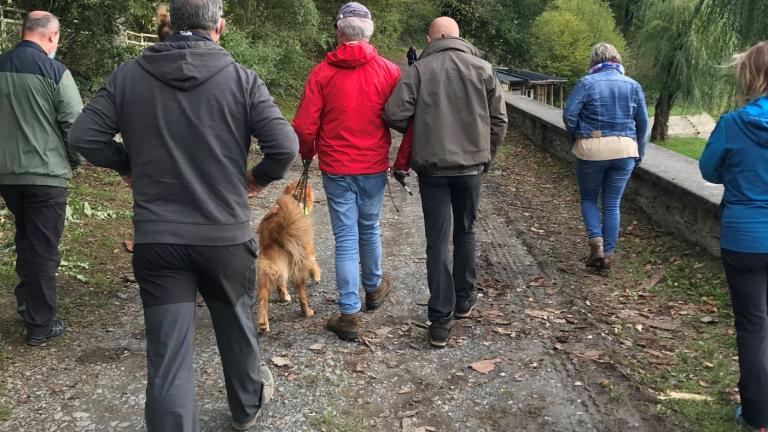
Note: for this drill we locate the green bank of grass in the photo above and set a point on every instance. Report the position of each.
(691, 147)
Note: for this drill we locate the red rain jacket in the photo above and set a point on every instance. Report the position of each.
(340, 116)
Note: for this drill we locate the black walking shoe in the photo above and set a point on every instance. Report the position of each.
(58, 327)
(439, 332)
(464, 308)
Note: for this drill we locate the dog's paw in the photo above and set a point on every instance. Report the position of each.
(263, 327)
(285, 298)
(307, 313)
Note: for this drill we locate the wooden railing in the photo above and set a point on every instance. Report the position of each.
(140, 39)
(10, 17)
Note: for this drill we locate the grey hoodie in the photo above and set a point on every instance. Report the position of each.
(457, 107)
(186, 111)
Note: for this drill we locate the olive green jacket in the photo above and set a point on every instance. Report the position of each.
(39, 102)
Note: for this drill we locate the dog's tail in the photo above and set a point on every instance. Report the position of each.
(292, 231)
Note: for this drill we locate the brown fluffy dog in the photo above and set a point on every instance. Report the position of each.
(286, 253)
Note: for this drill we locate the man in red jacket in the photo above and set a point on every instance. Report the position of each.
(340, 118)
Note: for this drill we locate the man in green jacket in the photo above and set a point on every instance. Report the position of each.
(39, 102)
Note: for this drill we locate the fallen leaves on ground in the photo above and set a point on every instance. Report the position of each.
(282, 361)
(652, 281)
(684, 396)
(485, 366)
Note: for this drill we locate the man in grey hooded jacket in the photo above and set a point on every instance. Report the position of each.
(459, 118)
(187, 113)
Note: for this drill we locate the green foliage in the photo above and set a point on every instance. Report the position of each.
(502, 28)
(691, 147)
(565, 33)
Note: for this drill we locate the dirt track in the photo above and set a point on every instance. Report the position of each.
(551, 366)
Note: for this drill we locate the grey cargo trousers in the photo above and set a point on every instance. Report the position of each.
(169, 278)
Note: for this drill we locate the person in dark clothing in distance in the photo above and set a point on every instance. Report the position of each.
(187, 112)
(412, 56)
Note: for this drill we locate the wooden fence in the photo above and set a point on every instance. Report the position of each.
(140, 39)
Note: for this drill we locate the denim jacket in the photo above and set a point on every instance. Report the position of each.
(607, 103)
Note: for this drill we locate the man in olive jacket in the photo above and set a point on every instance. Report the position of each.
(459, 120)
(39, 102)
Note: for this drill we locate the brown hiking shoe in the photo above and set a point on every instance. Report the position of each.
(374, 300)
(344, 325)
(596, 255)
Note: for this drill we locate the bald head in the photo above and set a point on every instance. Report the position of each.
(39, 22)
(42, 28)
(443, 27)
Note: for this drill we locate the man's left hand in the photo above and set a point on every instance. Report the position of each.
(253, 187)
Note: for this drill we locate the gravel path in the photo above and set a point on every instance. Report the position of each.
(390, 381)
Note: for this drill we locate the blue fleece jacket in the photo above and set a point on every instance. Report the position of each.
(737, 157)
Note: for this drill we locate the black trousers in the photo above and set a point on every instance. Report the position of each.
(443, 199)
(747, 275)
(39, 213)
(169, 278)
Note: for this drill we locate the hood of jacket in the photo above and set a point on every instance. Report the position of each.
(352, 55)
(184, 62)
(451, 44)
(753, 120)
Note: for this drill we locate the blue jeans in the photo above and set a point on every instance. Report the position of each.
(354, 204)
(606, 179)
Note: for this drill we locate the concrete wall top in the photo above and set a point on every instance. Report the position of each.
(664, 166)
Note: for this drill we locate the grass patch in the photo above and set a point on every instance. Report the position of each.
(703, 355)
(691, 147)
(676, 111)
(330, 422)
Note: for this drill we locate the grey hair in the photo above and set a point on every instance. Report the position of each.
(356, 29)
(44, 22)
(202, 15)
(604, 52)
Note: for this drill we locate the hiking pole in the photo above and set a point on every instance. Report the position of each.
(400, 177)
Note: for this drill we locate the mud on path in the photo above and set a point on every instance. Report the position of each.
(546, 349)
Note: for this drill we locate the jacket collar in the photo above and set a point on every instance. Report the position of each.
(451, 44)
(32, 45)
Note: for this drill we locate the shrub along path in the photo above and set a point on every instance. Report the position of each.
(551, 346)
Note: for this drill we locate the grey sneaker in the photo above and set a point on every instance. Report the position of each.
(268, 392)
(58, 327)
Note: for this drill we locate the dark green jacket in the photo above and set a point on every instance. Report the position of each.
(457, 107)
(39, 102)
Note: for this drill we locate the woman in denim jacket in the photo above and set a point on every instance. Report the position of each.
(607, 119)
(737, 157)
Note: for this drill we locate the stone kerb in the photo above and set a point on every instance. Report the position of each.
(667, 186)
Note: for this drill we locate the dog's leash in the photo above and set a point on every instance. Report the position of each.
(300, 194)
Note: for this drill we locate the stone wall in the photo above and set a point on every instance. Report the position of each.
(667, 185)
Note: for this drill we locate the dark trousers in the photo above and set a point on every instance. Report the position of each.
(747, 275)
(169, 278)
(443, 198)
(39, 213)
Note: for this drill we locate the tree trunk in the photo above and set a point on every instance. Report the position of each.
(661, 118)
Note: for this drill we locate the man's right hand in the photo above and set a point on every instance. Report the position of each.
(253, 187)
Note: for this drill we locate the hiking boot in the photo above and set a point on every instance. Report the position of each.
(596, 255)
(464, 308)
(344, 325)
(374, 300)
(439, 332)
(268, 390)
(58, 327)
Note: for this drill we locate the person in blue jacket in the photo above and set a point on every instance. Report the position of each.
(736, 156)
(607, 119)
